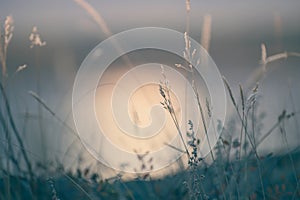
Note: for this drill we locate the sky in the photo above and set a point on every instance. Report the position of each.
(228, 17)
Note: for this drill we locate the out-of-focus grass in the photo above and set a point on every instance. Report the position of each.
(234, 169)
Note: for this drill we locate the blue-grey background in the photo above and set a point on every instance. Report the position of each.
(238, 29)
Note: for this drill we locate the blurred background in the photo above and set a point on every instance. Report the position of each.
(236, 34)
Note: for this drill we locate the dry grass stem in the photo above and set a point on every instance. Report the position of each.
(95, 15)
(5, 39)
(41, 101)
(230, 92)
(35, 38)
(21, 67)
(164, 90)
(188, 5)
(206, 32)
(268, 59)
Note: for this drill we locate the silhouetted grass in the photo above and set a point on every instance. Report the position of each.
(233, 170)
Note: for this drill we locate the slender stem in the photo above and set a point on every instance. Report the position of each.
(246, 132)
(16, 132)
(204, 123)
(11, 157)
(174, 118)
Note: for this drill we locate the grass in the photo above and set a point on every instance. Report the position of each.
(235, 169)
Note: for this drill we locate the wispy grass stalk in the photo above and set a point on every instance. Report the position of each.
(260, 72)
(243, 118)
(167, 104)
(203, 122)
(5, 39)
(36, 43)
(189, 55)
(240, 117)
(273, 128)
(16, 133)
(243, 122)
(206, 32)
